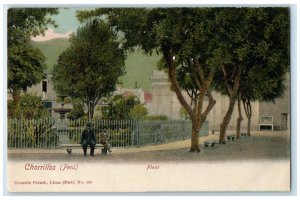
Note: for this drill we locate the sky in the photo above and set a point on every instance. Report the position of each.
(67, 23)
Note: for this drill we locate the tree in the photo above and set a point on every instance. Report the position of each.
(182, 36)
(26, 66)
(23, 23)
(25, 63)
(202, 48)
(90, 67)
(254, 48)
(270, 58)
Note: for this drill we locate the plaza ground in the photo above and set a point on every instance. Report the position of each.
(258, 163)
(266, 145)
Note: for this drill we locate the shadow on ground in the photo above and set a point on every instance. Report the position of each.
(258, 147)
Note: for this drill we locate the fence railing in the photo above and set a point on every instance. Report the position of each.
(47, 133)
(157, 132)
(31, 133)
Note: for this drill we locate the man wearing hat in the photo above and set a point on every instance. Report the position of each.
(88, 138)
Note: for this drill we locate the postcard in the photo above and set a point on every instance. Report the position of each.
(148, 99)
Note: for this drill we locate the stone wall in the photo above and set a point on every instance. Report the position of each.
(279, 109)
(165, 102)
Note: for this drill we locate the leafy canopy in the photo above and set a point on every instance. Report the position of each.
(25, 62)
(90, 67)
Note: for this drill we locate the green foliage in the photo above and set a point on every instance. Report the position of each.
(77, 111)
(22, 23)
(89, 69)
(66, 100)
(258, 41)
(245, 49)
(138, 66)
(26, 66)
(268, 55)
(120, 107)
(183, 113)
(138, 112)
(30, 107)
(33, 133)
(25, 62)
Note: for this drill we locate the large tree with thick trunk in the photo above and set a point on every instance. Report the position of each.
(201, 48)
(255, 57)
(268, 58)
(183, 37)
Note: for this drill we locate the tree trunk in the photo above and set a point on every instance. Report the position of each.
(248, 112)
(239, 119)
(90, 109)
(249, 125)
(195, 111)
(195, 136)
(226, 120)
(233, 91)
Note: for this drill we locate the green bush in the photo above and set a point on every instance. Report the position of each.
(138, 112)
(30, 107)
(77, 112)
(24, 133)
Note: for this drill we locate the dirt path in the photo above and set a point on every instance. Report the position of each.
(261, 145)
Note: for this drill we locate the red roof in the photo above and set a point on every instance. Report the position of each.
(148, 96)
(128, 94)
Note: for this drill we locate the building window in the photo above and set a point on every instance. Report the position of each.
(44, 86)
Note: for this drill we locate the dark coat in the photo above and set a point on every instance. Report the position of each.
(88, 137)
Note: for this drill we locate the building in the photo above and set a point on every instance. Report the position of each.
(165, 102)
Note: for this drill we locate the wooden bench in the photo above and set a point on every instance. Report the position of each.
(69, 147)
(230, 137)
(209, 144)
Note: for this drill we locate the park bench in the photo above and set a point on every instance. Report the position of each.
(69, 147)
(230, 137)
(265, 123)
(209, 144)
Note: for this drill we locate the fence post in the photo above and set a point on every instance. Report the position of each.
(137, 135)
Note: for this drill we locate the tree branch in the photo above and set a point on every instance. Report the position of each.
(175, 85)
(226, 80)
(237, 80)
(210, 105)
(199, 70)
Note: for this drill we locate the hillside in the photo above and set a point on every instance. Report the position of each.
(52, 49)
(139, 66)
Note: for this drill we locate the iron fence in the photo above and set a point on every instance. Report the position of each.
(46, 133)
(158, 132)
